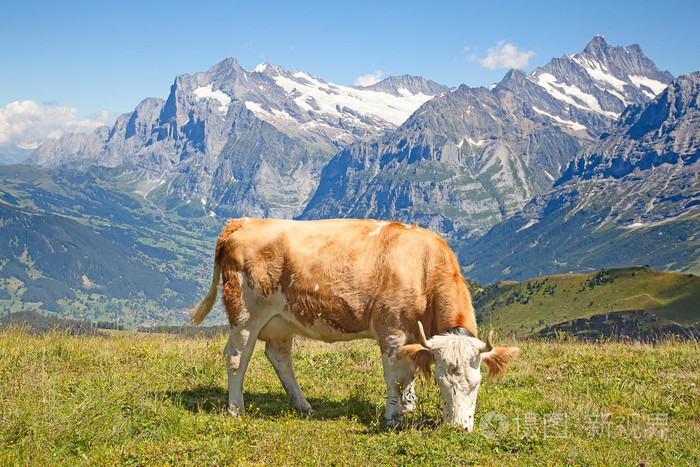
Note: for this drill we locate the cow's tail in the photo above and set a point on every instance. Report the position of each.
(202, 310)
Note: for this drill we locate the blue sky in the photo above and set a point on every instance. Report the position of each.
(83, 58)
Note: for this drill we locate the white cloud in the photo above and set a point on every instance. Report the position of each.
(370, 79)
(469, 53)
(506, 55)
(26, 124)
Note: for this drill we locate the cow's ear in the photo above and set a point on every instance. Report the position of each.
(497, 359)
(421, 357)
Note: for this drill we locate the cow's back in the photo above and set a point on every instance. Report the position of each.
(345, 278)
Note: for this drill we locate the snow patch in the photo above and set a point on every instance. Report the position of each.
(282, 114)
(255, 108)
(528, 225)
(573, 125)
(263, 114)
(566, 93)
(481, 142)
(471, 142)
(599, 72)
(331, 99)
(655, 86)
(206, 92)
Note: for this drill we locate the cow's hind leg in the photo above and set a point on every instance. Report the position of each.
(237, 352)
(279, 352)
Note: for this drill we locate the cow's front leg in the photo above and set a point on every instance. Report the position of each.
(279, 353)
(398, 376)
(239, 348)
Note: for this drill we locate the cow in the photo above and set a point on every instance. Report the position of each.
(344, 279)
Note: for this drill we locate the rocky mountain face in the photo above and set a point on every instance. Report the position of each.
(465, 160)
(470, 158)
(238, 142)
(586, 92)
(633, 197)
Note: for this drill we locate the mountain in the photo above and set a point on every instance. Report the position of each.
(631, 198)
(237, 142)
(462, 162)
(470, 158)
(588, 91)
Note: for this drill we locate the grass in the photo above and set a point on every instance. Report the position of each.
(136, 399)
(525, 307)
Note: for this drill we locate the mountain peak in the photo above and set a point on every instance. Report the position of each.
(226, 68)
(262, 67)
(596, 44)
(228, 62)
(399, 85)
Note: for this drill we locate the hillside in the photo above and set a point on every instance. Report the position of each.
(637, 302)
(34, 323)
(79, 246)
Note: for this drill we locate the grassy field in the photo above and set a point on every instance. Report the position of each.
(136, 399)
(524, 308)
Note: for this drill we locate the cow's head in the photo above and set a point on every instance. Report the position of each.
(458, 360)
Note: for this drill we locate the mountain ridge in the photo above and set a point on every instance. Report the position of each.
(491, 149)
(193, 144)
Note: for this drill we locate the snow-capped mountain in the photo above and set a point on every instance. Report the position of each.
(297, 101)
(460, 164)
(585, 92)
(255, 139)
(631, 198)
(470, 158)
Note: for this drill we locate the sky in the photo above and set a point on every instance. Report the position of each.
(74, 65)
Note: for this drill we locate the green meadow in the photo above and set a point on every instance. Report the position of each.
(157, 399)
(668, 301)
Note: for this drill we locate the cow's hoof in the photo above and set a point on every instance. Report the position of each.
(393, 423)
(235, 411)
(408, 404)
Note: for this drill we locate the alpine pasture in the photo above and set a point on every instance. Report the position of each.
(156, 399)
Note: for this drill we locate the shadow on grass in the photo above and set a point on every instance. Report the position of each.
(214, 399)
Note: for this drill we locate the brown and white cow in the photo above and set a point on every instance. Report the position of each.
(348, 279)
